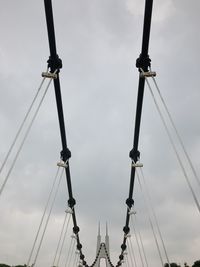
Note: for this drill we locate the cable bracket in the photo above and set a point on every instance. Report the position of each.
(49, 75)
(147, 74)
(63, 164)
(137, 164)
(54, 63)
(143, 62)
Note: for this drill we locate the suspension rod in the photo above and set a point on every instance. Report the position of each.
(143, 62)
(55, 64)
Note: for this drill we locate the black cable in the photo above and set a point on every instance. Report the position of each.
(55, 63)
(142, 62)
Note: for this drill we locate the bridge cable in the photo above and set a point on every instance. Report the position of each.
(126, 256)
(137, 242)
(132, 264)
(78, 258)
(63, 241)
(151, 223)
(173, 146)
(177, 133)
(154, 214)
(55, 62)
(140, 238)
(130, 248)
(21, 126)
(66, 218)
(68, 259)
(142, 62)
(47, 221)
(75, 259)
(42, 219)
(25, 136)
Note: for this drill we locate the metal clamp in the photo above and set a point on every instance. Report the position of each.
(147, 74)
(49, 75)
(62, 164)
(137, 164)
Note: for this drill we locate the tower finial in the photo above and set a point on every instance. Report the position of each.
(99, 229)
(106, 229)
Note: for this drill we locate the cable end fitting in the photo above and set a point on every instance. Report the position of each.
(54, 63)
(123, 247)
(71, 202)
(129, 202)
(143, 62)
(82, 257)
(121, 257)
(126, 229)
(76, 230)
(134, 155)
(79, 246)
(65, 154)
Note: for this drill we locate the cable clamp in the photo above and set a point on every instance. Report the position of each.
(127, 236)
(147, 74)
(62, 164)
(137, 164)
(69, 210)
(50, 75)
(131, 212)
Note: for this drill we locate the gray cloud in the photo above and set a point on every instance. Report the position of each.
(99, 42)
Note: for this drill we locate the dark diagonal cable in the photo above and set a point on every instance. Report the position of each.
(142, 62)
(55, 62)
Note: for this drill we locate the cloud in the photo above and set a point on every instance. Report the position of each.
(98, 42)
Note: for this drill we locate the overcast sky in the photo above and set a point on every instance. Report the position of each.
(99, 41)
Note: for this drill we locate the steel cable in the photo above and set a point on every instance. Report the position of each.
(42, 219)
(173, 145)
(24, 139)
(21, 126)
(47, 221)
(177, 133)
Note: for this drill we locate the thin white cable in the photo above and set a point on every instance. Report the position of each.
(74, 261)
(76, 264)
(150, 221)
(60, 237)
(154, 215)
(69, 251)
(130, 253)
(140, 237)
(130, 248)
(42, 219)
(21, 126)
(128, 264)
(138, 244)
(24, 139)
(63, 241)
(68, 261)
(174, 147)
(47, 221)
(177, 133)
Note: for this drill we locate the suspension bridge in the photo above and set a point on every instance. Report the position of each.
(129, 254)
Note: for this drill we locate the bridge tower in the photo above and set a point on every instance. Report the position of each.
(102, 251)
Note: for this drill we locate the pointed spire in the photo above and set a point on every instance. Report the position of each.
(106, 229)
(99, 230)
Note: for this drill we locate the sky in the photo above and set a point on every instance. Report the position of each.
(99, 42)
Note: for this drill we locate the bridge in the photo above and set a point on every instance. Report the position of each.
(76, 252)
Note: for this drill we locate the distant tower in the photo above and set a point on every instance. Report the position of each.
(102, 249)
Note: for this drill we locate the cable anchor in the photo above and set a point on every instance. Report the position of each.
(62, 164)
(50, 75)
(147, 74)
(137, 164)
